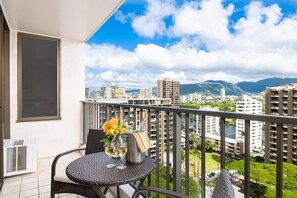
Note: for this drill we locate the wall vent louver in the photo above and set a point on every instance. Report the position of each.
(20, 156)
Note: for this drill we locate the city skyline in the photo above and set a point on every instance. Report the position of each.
(194, 41)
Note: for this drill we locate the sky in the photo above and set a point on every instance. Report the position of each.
(194, 41)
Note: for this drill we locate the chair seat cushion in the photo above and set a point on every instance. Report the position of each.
(61, 176)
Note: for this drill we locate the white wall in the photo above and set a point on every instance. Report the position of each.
(55, 136)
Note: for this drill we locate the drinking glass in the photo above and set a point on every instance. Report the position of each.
(122, 150)
(110, 149)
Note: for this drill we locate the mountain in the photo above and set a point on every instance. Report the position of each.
(133, 91)
(211, 87)
(259, 86)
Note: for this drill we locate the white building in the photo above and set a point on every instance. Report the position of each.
(183, 98)
(146, 92)
(190, 97)
(113, 91)
(197, 97)
(212, 124)
(223, 94)
(250, 106)
(106, 91)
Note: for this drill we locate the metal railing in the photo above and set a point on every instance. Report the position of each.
(95, 114)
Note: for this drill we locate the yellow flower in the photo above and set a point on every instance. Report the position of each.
(107, 126)
(113, 128)
(114, 121)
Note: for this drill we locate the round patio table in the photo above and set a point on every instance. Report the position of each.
(91, 170)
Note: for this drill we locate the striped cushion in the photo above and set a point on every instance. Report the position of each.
(143, 141)
(223, 188)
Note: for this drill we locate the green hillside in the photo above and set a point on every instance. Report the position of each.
(211, 87)
(259, 86)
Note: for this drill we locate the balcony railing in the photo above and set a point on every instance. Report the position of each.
(95, 114)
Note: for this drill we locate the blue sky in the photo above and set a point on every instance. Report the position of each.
(194, 41)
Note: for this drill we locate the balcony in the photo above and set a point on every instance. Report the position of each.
(177, 113)
(274, 107)
(95, 118)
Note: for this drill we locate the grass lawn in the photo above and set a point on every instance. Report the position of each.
(212, 163)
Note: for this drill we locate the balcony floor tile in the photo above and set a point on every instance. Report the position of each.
(37, 185)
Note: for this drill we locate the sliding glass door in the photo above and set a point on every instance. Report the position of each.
(4, 89)
(1, 99)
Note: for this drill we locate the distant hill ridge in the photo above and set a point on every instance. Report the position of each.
(259, 86)
(213, 87)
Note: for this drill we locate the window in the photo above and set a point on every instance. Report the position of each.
(38, 78)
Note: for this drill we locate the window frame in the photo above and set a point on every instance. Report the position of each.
(20, 118)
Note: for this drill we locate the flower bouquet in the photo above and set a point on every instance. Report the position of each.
(113, 129)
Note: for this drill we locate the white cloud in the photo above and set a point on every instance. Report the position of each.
(152, 23)
(264, 44)
(123, 18)
(108, 56)
(208, 20)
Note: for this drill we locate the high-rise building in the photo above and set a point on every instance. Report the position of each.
(250, 106)
(160, 102)
(223, 94)
(197, 97)
(212, 124)
(281, 101)
(118, 92)
(87, 91)
(145, 92)
(169, 89)
(112, 91)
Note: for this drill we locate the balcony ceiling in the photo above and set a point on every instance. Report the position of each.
(71, 19)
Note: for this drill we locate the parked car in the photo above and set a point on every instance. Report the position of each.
(212, 174)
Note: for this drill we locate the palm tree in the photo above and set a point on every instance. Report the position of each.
(193, 139)
(215, 148)
(196, 154)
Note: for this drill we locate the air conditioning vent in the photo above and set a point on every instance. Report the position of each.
(18, 142)
(20, 156)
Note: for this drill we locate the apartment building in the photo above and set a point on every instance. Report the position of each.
(212, 124)
(197, 97)
(160, 102)
(281, 101)
(233, 147)
(250, 105)
(169, 89)
(113, 91)
(146, 92)
(223, 94)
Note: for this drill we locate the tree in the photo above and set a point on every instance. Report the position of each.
(163, 177)
(258, 175)
(265, 176)
(196, 153)
(215, 148)
(183, 155)
(194, 141)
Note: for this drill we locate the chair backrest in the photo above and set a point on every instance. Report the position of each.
(223, 188)
(93, 141)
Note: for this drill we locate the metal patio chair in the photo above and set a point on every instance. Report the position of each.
(223, 189)
(61, 184)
